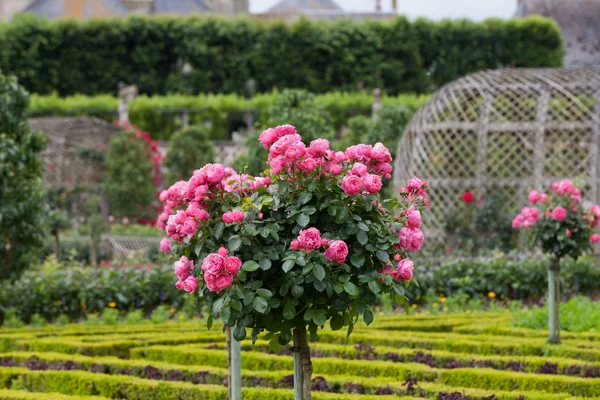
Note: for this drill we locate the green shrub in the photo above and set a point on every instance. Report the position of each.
(135, 317)
(160, 315)
(62, 320)
(12, 320)
(128, 180)
(37, 321)
(92, 320)
(189, 149)
(224, 54)
(77, 291)
(110, 316)
(22, 222)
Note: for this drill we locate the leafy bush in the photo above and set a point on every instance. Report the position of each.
(22, 222)
(110, 316)
(579, 314)
(180, 161)
(224, 54)
(477, 226)
(128, 180)
(160, 315)
(508, 276)
(53, 290)
(135, 317)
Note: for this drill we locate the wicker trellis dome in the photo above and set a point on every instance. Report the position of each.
(73, 143)
(507, 130)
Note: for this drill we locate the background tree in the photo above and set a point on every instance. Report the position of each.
(182, 162)
(129, 176)
(22, 223)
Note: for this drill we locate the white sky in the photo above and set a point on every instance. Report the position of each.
(432, 9)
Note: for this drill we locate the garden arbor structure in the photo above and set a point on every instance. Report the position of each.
(507, 131)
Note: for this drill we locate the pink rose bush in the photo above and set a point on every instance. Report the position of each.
(558, 220)
(311, 242)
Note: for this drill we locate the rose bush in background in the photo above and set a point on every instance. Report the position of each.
(558, 222)
(310, 243)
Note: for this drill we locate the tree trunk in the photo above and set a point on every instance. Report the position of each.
(56, 244)
(302, 365)
(93, 256)
(554, 301)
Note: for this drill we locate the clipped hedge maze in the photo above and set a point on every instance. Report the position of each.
(438, 357)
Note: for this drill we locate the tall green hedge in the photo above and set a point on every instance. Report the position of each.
(91, 57)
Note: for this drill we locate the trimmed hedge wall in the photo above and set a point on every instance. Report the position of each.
(92, 57)
(161, 115)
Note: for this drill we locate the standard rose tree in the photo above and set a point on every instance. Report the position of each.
(559, 223)
(309, 244)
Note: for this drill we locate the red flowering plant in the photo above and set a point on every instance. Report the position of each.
(562, 226)
(307, 244)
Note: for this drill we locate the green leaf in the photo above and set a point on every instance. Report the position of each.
(218, 305)
(264, 264)
(374, 287)
(357, 260)
(368, 317)
(302, 220)
(319, 272)
(351, 289)
(219, 226)
(260, 304)
(350, 329)
(310, 210)
(239, 333)
(362, 237)
(304, 198)
(297, 291)
(362, 226)
(274, 344)
(264, 293)
(209, 322)
(383, 256)
(248, 298)
(319, 317)
(288, 265)
(289, 311)
(338, 287)
(250, 266)
(226, 313)
(337, 322)
(234, 243)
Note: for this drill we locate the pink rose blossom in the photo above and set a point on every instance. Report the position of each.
(411, 239)
(380, 153)
(284, 130)
(308, 165)
(215, 173)
(310, 239)
(559, 213)
(223, 252)
(384, 169)
(268, 137)
(210, 280)
(227, 218)
(165, 245)
(352, 184)
(183, 267)
(372, 183)
(318, 147)
(565, 187)
(195, 211)
(232, 265)
(189, 227)
(277, 165)
(223, 281)
(237, 216)
(595, 238)
(359, 169)
(405, 270)
(363, 151)
(337, 251)
(213, 264)
(334, 169)
(295, 245)
(417, 239)
(517, 222)
(190, 284)
(324, 242)
(568, 233)
(414, 218)
(293, 153)
(179, 284)
(533, 197)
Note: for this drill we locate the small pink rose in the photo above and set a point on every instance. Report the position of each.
(223, 281)
(213, 264)
(223, 252)
(414, 218)
(405, 270)
(337, 251)
(232, 265)
(352, 184)
(359, 169)
(372, 183)
(310, 239)
(295, 245)
(165, 245)
(559, 213)
(595, 238)
(190, 284)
